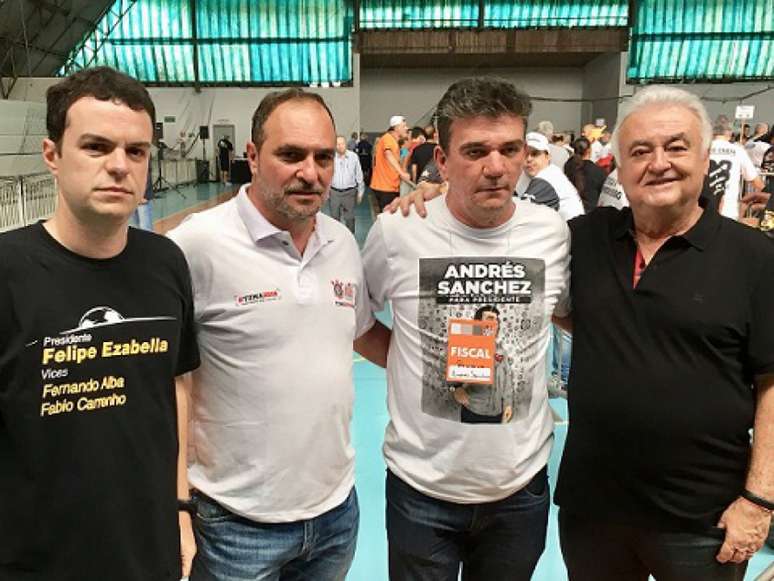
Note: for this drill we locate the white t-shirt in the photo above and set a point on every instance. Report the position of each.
(438, 269)
(597, 151)
(612, 193)
(559, 155)
(756, 150)
(570, 204)
(272, 400)
(729, 164)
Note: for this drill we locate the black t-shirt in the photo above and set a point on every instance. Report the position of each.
(661, 395)
(421, 155)
(594, 179)
(88, 435)
(539, 191)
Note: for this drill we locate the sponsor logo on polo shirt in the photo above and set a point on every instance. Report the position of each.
(344, 293)
(257, 297)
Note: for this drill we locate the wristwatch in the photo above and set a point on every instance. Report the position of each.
(757, 500)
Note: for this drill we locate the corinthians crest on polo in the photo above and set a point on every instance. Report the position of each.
(344, 292)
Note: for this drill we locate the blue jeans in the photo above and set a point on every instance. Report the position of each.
(561, 349)
(428, 539)
(233, 548)
(599, 551)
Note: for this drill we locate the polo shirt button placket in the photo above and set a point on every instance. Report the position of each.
(305, 288)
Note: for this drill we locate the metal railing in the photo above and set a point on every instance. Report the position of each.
(26, 199)
(176, 171)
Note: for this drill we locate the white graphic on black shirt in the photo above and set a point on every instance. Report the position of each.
(719, 176)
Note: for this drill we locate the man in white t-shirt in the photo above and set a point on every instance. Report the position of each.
(559, 155)
(279, 298)
(470, 489)
(729, 165)
(758, 144)
(548, 185)
(592, 132)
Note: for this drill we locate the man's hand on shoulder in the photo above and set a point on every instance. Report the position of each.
(424, 193)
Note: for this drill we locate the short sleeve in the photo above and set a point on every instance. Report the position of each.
(364, 318)
(563, 305)
(375, 264)
(761, 319)
(188, 354)
(749, 171)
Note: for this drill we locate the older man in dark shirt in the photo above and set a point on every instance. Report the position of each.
(673, 365)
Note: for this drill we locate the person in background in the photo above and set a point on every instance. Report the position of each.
(225, 155)
(347, 185)
(387, 171)
(587, 177)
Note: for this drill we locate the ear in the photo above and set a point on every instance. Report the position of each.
(51, 156)
(440, 160)
(252, 157)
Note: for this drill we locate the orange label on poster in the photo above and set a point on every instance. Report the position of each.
(471, 351)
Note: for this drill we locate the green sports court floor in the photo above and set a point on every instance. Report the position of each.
(370, 418)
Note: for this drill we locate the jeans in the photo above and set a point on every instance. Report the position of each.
(233, 548)
(561, 349)
(428, 539)
(599, 551)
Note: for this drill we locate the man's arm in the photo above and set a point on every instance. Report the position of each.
(746, 523)
(359, 180)
(187, 542)
(564, 323)
(374, 344)
(395, 164)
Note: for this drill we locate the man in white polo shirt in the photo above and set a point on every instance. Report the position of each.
(279, 298)
(472, 288)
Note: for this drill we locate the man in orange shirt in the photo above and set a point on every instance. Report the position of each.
(387, 174)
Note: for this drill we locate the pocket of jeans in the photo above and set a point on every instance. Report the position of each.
(537, 487)
(210, 512)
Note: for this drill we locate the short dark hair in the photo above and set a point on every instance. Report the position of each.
(102, 83)
(477, 97)
(430, 132)
(273, 100)
(479, 314)
(417, 131)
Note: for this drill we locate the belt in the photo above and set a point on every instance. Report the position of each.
(345, 189)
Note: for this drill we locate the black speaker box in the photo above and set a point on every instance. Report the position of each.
(204, 132)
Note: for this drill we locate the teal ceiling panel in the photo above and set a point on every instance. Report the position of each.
(241, 42)
(557, 14)
(376, 14)
(702, 40)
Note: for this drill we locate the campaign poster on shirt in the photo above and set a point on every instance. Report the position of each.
(462, 295)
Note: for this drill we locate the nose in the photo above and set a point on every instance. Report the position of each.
(307, 170)
(117, 163)
(494, 166)
(659, 163)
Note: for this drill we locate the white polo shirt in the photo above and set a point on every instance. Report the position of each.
(272, 400)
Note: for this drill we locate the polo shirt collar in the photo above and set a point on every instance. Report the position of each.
(699, 236)
(259, 227)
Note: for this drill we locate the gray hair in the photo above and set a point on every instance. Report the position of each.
(479, 97)
(663, 95)
(546, 128)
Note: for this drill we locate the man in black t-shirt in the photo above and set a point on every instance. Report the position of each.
(673, 365)
(225, 155)
(97, 335)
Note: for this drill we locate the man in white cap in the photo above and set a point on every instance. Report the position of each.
(548, 185)
(559, 155)
(388, 173)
